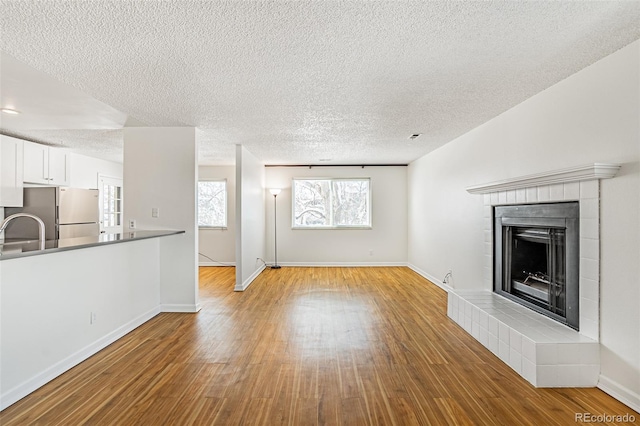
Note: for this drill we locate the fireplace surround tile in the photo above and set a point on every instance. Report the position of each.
(544, 352)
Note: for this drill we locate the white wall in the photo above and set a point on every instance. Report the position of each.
(219, 244)
(84, 171)
(250, 219)
(387, 238)
(160, 171)
(46, 306)
(592, 116)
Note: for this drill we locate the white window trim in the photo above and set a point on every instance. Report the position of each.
(226, 205)
(331, 227)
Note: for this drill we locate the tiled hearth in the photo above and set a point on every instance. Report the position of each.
(543, 351)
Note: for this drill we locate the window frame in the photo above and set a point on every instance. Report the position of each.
(332, 226)
(226, 204)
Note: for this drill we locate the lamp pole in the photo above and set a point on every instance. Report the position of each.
(275, 193)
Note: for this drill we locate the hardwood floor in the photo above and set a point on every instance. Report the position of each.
(303, 346)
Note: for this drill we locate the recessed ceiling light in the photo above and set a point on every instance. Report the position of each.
(10, 111)
(415, 136)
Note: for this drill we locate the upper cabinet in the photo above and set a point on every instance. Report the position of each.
(11, 170)
(45, 165)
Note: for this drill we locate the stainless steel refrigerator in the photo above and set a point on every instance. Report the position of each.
(66, 213)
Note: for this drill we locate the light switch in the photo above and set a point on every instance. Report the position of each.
(155, 212)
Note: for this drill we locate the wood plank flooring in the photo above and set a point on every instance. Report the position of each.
(303, 346)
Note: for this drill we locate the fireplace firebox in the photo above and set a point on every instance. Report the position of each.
(536, 258)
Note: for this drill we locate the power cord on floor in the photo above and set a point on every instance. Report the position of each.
(216, 261)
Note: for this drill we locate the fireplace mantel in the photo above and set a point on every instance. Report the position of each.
(573, 174)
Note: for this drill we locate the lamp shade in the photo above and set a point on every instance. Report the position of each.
(275, 191)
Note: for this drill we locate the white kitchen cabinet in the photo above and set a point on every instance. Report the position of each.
(45, 165)
(11, 171)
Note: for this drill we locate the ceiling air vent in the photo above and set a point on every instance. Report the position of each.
(415, 136)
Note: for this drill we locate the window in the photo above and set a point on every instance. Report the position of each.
(212, 204)
(331, 203)
(110, 204)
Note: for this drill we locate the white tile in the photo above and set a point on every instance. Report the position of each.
(475, 315)
(589, 309)
(543, 193)
(487, 199)
(503, 333)
(529, 371)
(511, 196)
(571, 191)
(528, 349)
(487, 275)
(589, 189)
(546, 354)
(502, 197)
(483, 337)
(515, 340)
(475, 330)
(569, 353)
(467, 324)
(493, 344)
(590, 208)
(488, 248)
(556, 192)
(521, 196)
(590, 354)
(532, 195)
(546, 376)
(589, 228)
(515, 360)
(569, 376)
(589, 375)
(488, 236)
(590, 248)
(484, 320)
(590, 269)
(589, 289)
(494, 198)
(468, 310)
(503, 352)
(589, 328)
(487, 212)
(493, 326)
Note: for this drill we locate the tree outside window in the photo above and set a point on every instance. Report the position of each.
(331, 203)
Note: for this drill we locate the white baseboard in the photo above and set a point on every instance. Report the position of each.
(249, 280)
(187, 309)
(619, 392)
(17, 393)
(341, 264)
(225, 264)
(430, 278)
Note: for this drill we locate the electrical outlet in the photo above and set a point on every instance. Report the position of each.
(93, 318)
(132, 224)
(155, 212)
(371, 252)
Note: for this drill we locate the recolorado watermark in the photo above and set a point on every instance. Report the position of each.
(604, 418)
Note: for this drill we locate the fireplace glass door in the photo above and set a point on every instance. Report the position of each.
(535, 266)
(536, 258)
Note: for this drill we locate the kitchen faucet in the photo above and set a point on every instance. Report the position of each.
(8, 219)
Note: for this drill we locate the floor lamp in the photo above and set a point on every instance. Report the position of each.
(275, 192)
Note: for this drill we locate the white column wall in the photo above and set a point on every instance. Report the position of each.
(250, 217)
(384, 244)
(592, 116)
(220, 244)
(160, 171)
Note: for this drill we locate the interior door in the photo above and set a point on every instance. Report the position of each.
(110, 204)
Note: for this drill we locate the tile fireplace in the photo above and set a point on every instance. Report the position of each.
(542, 247)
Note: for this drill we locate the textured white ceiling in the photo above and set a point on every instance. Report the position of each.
(296, 82)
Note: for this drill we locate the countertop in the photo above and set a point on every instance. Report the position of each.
(12, 249)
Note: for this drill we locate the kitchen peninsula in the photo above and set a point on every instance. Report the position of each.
(62, 304)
